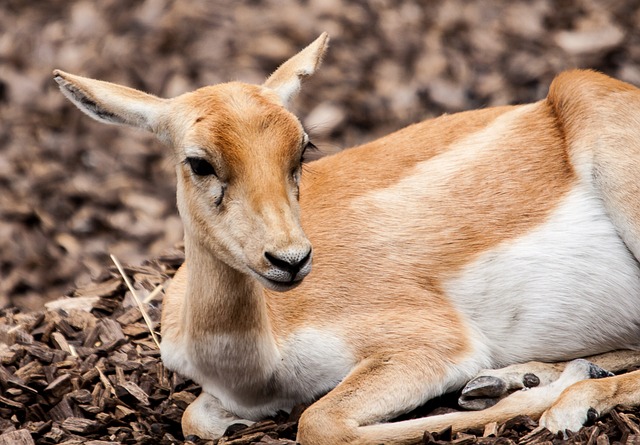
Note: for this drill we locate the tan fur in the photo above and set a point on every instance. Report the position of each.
(542, 183)
(599, 395)
(391, 223)
(608, 136)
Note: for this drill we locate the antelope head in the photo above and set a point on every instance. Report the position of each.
(238, 154)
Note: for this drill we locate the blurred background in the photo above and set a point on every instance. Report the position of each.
(72, 191)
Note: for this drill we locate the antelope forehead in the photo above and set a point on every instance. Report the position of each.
(258, 146)
(255, 113)
(241, 127)
(267, 125)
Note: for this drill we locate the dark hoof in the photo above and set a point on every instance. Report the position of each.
(596, 372)
(530, 380)
(592, 416)
(477, 403)
(482, 392)
(485, 386)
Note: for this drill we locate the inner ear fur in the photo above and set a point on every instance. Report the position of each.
(286, 80)
(110, 103)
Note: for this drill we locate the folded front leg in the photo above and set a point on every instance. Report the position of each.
(531, 403)
(590, 399)
(206, 418)
(378, 389)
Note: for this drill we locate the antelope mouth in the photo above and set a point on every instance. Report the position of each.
(281, 286)
(278, 285)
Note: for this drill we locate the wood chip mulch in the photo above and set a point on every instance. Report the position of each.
(85, 370)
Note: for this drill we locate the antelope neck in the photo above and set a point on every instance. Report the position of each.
(220, 299)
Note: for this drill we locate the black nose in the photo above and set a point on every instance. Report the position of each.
(289, 262)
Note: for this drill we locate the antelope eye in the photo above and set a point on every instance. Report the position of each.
(201, 167)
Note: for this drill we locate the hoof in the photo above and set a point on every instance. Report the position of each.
(482, 392)
(530, 380)
(477, 403)
(596, 372)
(485, 386)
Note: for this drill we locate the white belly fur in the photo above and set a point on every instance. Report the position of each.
(569, 288)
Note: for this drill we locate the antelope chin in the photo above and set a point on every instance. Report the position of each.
(277, 285)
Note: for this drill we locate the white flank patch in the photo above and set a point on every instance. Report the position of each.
(567, 289)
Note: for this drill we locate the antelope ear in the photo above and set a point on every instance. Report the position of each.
(285, 81)
(111, 103)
